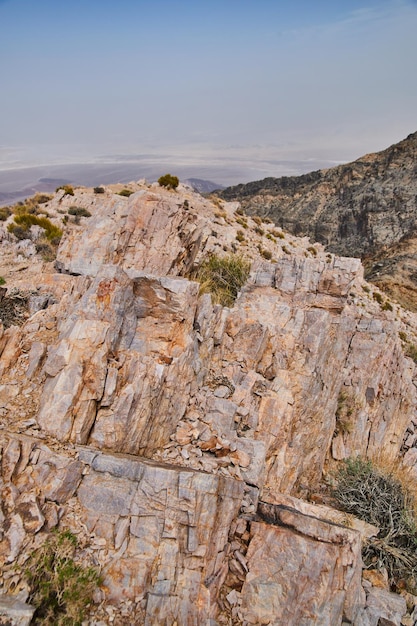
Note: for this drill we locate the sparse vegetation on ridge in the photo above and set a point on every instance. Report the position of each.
(125, 193)
(169, 181)
(68, 189)
(79, 211)
(223, 277)
(22, 223)
(5, 212)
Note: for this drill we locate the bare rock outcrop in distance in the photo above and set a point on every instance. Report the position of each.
(184, 441)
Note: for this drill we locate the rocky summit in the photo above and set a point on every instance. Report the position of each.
(366, 209)
(188, 446)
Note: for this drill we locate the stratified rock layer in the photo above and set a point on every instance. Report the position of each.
(151, 421)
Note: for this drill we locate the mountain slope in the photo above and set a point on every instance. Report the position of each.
(358, 209)
(186, 444)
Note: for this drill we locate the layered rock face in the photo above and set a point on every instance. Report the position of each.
(181, 439)
(365, 209)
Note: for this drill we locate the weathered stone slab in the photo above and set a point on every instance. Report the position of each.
(14, 612)
(301, 573)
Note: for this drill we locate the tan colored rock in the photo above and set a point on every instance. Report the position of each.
(29, 510)
(324, 513)
(297, 578)
(127, 357)
(377, 578)
(383, 607)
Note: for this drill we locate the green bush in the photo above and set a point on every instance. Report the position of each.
(125, 193)
(79, 211)
(60, 589)
(99, 190)
(377, 297)
(4, 213)
(2, 280)
(378, 497)
(223, 277)
(69, 191)
(22, 223)
(169, 181)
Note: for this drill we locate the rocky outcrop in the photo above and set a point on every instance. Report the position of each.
(181, 440)
(364, 209)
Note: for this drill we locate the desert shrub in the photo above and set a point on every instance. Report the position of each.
(378, 497)
(387, 306)
(99, 190)
(402, 335)
(46, 249)
(285, 249)
(68, 189)
(2, 280)
(223, 277)
(79, 211)
(313, 250)
(4, 213)
(240, 236)
(41, 198)
(242, 222)
(259, 230)
(271, 237)
(60, 588)
(19, 232)
(346, 407)
(278, 233)
(125, 193)
(24, 209)
(411, 351)
(366, 288)
(22, 223)
(257, 220)
(266, 254)
(169, 181)
(377, 297)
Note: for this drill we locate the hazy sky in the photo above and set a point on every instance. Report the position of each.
(214, 79)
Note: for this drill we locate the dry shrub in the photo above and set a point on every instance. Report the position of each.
(223, 277)
(381, 495)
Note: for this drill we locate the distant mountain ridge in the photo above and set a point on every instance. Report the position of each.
(203, 186)
(364, 209)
